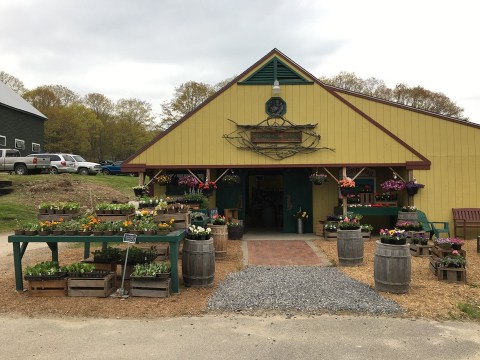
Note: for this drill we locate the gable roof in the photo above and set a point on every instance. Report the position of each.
(11, 99)
(424, 163)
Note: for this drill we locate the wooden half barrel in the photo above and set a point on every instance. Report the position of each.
(350, 247)
(198, 262)
(220, 238)
(392, 268)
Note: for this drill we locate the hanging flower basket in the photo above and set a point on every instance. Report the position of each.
(231, 179)
(317, 179)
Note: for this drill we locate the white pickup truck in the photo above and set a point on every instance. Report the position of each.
(12, 161)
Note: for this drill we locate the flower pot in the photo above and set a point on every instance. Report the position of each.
(149, 232)
(299, 226)
(412, 191)
(97, 233)
(58, 232)
(235, 232)
(43, 211)
(44, 232)
(138, 192)
(108, 233)
(71, 232)
(30, 232)
(19, 232)
(456, 247)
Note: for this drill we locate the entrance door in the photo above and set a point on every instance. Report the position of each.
(297, 190)
(232, 196)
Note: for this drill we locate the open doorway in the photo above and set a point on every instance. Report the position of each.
(265, 201)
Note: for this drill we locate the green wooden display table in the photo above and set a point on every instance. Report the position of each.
(20, 243)
(371, 211)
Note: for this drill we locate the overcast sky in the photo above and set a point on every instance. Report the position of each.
(145, 48)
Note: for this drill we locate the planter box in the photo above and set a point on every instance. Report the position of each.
(420, 250)
(48, 288)
(441, 253)
(95, 287)
(331, 236)
(149, 287)
(452, 274)
(366, 235)
(182, 220)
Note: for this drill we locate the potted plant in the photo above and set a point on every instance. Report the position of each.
(207, 187)
(110, 255)
(453, 260)
(148, 226)
(71, 207)
(198, 233)
(162, 179)
(80, 270)
(317, 179)
(137, 255)
(165, 227)
(366, 230)
(152, 270)
(347, 186)
(350, 245)
(56, 227)
(47, 270)
(412, 186)
(301, 217)
(218, 220)
(43, 208)
(231, 179)
(127, 209)
(394, 184)
(70, 227)
(140, 190)
(188, 181)
(393, 237)
(408, 225)
(443, 243)
(235, 230)
(409, 209)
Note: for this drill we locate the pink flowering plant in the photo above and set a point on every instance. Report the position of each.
(396, 185)
(408, 225)
(188, 180)
(453, 260)
(350, 222)
(218, 220)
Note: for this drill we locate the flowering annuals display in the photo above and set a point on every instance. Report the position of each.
(198, 233)
(453, 260)
(218, 220)
(188, 180)
(408, 225)
(317, 178)
(396, 185)
(413, 184)
(208, 185)
(346, 183)
(350, 222)
(393, 237)
(302, 215)
(163, 179)
(447, 243)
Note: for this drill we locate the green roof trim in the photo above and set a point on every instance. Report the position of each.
(275, 69)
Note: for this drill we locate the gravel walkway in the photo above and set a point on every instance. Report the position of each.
(301, 288)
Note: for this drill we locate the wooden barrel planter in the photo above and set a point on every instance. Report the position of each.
(392, 268)
(350, 247)
(220, 237)
(198, 262)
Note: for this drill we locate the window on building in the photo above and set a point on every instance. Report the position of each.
(3, 141)
(35, 147)
(19, 144)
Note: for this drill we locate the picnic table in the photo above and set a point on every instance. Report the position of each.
(20, 243)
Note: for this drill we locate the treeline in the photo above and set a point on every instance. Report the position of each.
(92, 125)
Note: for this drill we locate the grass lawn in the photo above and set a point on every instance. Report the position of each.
(30, 190)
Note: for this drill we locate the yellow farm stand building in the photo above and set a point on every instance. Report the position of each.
(276, 124)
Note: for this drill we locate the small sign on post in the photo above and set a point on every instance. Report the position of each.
(129, 239)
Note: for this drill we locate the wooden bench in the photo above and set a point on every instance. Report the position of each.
(465, 218)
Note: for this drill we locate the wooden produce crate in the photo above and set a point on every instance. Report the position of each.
(94, 287)
(182, 220)
(452, 274)
(319, 228)
(48, 288)
(330, 236)
(420, 250)
(441, 253)
(149, 287)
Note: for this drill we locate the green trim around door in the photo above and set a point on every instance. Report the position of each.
(297, 194)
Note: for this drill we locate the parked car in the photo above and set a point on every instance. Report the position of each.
(59, 163)
(12, 161)
(115, 169)
(84, 167)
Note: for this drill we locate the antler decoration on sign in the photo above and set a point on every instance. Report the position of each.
(276, 138)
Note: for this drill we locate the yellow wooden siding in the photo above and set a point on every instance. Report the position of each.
(453, 149)
(199, 141)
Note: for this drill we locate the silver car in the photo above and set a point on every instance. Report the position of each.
(59, 163)
(84, 167)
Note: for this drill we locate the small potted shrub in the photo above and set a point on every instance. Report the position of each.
(110, 255)
(235, 230)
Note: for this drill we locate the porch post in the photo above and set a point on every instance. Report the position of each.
(344, 200)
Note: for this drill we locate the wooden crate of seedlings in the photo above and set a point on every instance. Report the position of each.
(420, 250)
(452, 274)
(48, 288)
(92, 286)
(153, 287)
